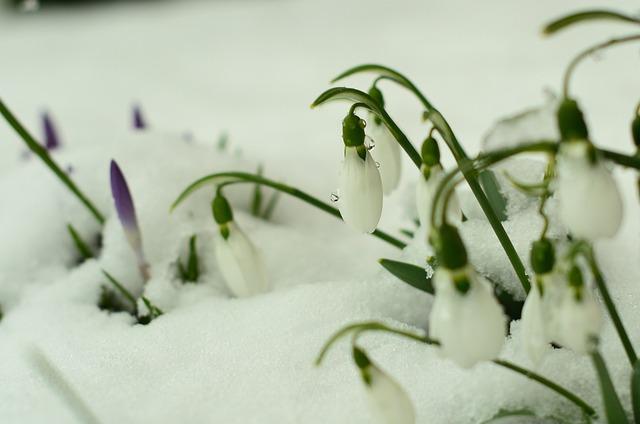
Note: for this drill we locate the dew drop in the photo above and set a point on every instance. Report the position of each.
(371, 143)
(334, 198)
(377, 164)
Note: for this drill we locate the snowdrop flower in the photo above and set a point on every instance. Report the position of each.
(465, 318)
(51, 139)
(579, 317)
(590, 205)
(238, 259)
(428, 183)
(389, 402)
(387, 150)
(360, 192)
(127, 215)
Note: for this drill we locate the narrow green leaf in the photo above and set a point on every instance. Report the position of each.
(42, 153)
(491, 188)
(126, 293)
(587, 15)
(635, 391)
(193, 271)
(84, 250)
(256, 201)
(271, 206)
(612, 406)
(411, 274)
(407, 232)
(504, 413)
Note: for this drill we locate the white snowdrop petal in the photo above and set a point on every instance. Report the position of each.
(425, 194)
(534, 336)
(580, 322)
(387, 153)
(590, 204)
(389, 403)
(360, 202)
(240, 263)
(471, 327)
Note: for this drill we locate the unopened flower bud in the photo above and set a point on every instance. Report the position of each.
(430, 152)
(542, 256)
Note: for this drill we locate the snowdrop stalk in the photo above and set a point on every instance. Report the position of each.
(127, 216)
(239, 261)
(360, 192)
(465, 318)
(51, 139)
(387, 150)
(389, 403)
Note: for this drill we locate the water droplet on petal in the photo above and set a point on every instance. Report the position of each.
(371, 143)
(334, 198)
(377, 164)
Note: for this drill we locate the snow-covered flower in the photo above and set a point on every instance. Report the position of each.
(387, 150)
(360, 191)
(127, 215)
(432, 175)
(465, 318)
(579, 316)
(590, 204)
(51, 138)
(389, 403)
(239, 260)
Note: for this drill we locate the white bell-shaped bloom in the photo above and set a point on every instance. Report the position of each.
(534, 334)
(470, 326)
(389, 403)
(590, 205)
(425, 192)
(387, 153)
(360, 192)
(240, 263)
(580, 321)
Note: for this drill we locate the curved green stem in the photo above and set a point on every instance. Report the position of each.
(443, 127)
(589, 51)
(611, 308)
(42, 153)
(377, 326)
(226, 178)
(584, 16)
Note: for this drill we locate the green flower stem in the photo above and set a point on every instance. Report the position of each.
(226, 178)
(358, 328)
(42, 153)
(584, 16)
(613, 409)
(588, 52)
(442, 126)
(611, 308)
(548, 383)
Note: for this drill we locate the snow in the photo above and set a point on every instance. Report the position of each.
(251, 69)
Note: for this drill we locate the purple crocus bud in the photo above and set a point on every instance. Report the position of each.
(127, 215)
(51, 139)
(138, 120)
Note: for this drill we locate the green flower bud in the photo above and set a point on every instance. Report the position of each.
(430, 152)
(450, 248)
(353, 130)
(542, 256)
(221, 209)
(635, 131)
(571, 121)
(376, 95)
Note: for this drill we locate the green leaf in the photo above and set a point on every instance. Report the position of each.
(271, 205)
(503, 417)
(635, 391)
(81, 246)
(612, 406)
(256, 201)
(411, 274)
(503, 413)
(364, 100)
(587, 15)
(491, 188)
(120, 288)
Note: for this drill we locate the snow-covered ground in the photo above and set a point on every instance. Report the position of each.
(251, 69)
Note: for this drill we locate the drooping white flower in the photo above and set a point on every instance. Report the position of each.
(590, 205)
(387, 153)
(466, 318)
(389, 403)
(426, 189)
(360, 192)
(240, 263)
(579, 320)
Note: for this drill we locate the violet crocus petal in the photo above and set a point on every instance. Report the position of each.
(122, 198)
(138, 120)
(51, 139)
